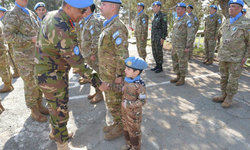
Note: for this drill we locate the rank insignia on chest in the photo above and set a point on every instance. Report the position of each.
(116, 34)
(76, 50)
(118, 41)
(234, 28)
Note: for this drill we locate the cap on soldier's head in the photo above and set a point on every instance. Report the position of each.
(239, 2)
(3, 9)
(244, 10)
(213, 6)
(39, 4)
(113, 1)
(79, 3)
(156, 3)
(136, 63)
(181, 5)
(140, 4)
(191, 6)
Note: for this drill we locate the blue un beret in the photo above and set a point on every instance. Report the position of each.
(156, 3)
(113, 1)
(239, 2)
(136, 63)
(79, 3)
(244, 10)
(191, 6)
(181, 5)
(39, 4)
(3, 9)
(213, 6)
(140, 4)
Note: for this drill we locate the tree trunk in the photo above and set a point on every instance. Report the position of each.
(224, 6)
(3, 3)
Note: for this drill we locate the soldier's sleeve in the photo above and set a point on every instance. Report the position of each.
(11, 30)
(144, 26)
(164, 29)
(116, 87)
(218, 24)
(70, 52)
(121, 49)
(190, 33)
(247, 55)
(1, 40)
(95, 33)
(142, 95)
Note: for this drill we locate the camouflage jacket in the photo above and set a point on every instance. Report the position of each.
(131, 91)
(141, 25)
(195, 21)
(90, 37)
(183, 32)
(113, 50)
(20, 28)
(235, 40)
(212, 25)
(57, 48)
(159, 27)
(3, 45)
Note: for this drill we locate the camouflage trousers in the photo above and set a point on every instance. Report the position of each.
(5, 68)
(113, 101)
(209, 48)
(131, 119)
(180, 61)
(230, 73)
(157, 51)
(57, 95)
(31, 90)
(191, 50)
(141, 47)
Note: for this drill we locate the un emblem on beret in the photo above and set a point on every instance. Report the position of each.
(129, 63)
(234, 1)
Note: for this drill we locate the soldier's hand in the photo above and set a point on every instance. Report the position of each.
(243, 61)
(162, 41)
(104, 86)
(33, 39)
(186, 50)
(118, 80)
(92, 57)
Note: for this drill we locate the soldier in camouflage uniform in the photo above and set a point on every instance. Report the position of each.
(234, 51)
(21, 30)
(112, 51)
(196, 26)
(57, 51)
(212, 25)
(4, 61)
(141, 31)
(182, 39)
(89, 46)
(158, 35)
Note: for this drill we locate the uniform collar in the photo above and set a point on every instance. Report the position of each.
(108, 21)
(212, 15)
(179, 18)
(157, 14)
(39, 19)
(139, 13)
(23, 9)
(87, 18)
(66, 18)
(232, 20)
(130, 80)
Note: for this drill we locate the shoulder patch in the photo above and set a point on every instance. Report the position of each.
(76, 50)
(189, 24)
(234, 28)
(116, 34)
(195, 19)
(219, 21)
(143, 20)
(91, 32)
(118, 41)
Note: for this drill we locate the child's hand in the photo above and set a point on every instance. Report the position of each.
(118, 80)
(104, 87)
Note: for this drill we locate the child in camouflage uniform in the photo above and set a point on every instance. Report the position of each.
(133, 98)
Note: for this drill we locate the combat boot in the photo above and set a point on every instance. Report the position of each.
(205, 61)
(220, 99)
(116, 132)
(91, 96)
(210, 62)
(7, 88)
(62, 146)
(159, 68)
(1, 108)
(227, 102)
(15, 75)
(36, 115)
(175, 79)
(108, 128)
(155, 68)
(125, 147)
(52, 137)
(84, 80)
(181, 81)
(97, 98)
(42, 109)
